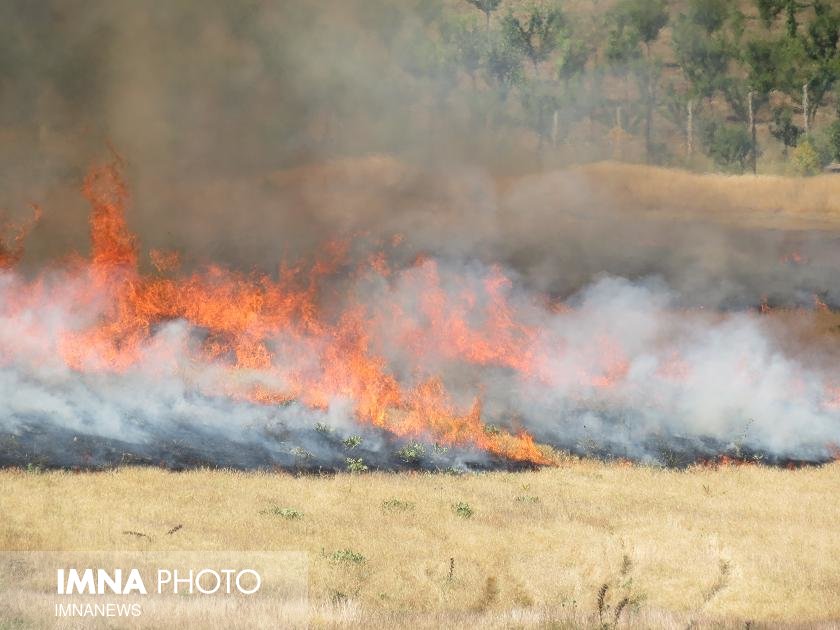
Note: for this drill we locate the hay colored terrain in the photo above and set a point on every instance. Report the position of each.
(726, 546)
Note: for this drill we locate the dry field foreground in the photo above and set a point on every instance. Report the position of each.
(729, 547)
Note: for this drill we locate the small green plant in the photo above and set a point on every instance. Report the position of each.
(301, 454)
(439, 449)
(463, 509)
(396, 505)
(356, 465)
(287, 513)
(347, 556)
(524, 498)
(352, 442)
(320, 427)
(412, 452)
(491, 429)
(34, 469)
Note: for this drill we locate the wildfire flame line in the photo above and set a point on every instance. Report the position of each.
(256, 325)
(291, 338)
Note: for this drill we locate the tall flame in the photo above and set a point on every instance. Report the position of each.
(275, 343)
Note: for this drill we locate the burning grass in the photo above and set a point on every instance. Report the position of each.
(632, 546)
(430, 361)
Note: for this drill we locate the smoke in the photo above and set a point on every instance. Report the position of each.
(619, 369)
(242, 128)
(563, 304)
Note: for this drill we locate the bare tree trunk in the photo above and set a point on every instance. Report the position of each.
(555, 127)
(618, 135)
(805, 106)
(648, 106)
(753, 148)
(648, 126)
(689, 131)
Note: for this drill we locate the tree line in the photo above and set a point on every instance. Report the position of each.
(718, 79)
(738, 85)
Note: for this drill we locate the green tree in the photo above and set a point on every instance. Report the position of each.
(540, 99)
(573, 53)
(710, 15)
(535, 34)
(783, 128)
(487, 7)
(728, 145)
(705, 48)
(804, 58)
(636, 24)
(504, 65)
(467, 43)
(502, 71)
(769, 11)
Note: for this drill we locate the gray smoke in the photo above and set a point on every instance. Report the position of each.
(254, 132)
(620, 370)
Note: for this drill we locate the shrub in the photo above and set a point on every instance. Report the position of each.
(287, 513)
(301, 454)
(412, 452)
(347, 556)
(395, 505)
(805, 160)
(356, 465)
(352, 442)
(463, 509)
(320, 427)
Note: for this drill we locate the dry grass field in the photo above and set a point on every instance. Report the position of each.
(584, 544)
(733, 546)
(764, 201)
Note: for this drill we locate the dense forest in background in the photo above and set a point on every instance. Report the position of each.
(508, 84)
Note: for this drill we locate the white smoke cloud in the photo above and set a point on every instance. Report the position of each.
(619, 369)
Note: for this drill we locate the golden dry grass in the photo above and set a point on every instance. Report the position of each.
(764, 201)
(710, 546)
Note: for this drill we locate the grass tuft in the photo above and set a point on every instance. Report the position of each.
(463, 509)
(283, 512)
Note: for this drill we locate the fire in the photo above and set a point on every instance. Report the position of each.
(408, 350)
(272, 340)
(794, 258)
(11, 247)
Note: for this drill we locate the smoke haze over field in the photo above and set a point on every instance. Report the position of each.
(242, 126)
(568, 304)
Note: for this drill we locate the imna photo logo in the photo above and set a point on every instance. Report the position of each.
(206, 581)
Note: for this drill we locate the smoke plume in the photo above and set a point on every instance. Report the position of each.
(327, 262)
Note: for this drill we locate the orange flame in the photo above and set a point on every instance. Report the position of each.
(11, 249)
(277, 330)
